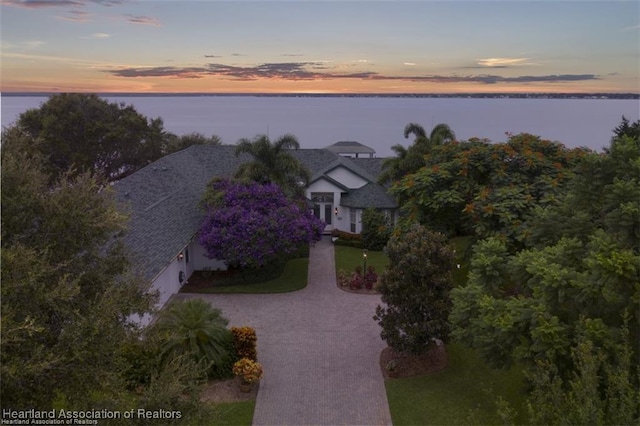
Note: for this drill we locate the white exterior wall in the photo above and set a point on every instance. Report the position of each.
(167, 283)
(347, 178)
(200, 261)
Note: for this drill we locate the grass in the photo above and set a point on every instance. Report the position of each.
(293, 278)
(347, 258)
(464, 393)
(234, 413)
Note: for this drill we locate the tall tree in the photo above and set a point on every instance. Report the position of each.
(85, 133)
(415, 290)
(173, 143)
(250, 225)
(476, 187)
(410, 160)
(625, 129)
(272, 163)
(574, 285)
(66, 291)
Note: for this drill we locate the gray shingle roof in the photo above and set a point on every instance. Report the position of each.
(370, 195)
(163, 197)
(350, 147)
(373, 166)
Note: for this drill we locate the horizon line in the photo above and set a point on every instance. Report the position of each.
(331, 94)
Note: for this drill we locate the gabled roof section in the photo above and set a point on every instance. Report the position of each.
(315, 160)
(370, 195)
(346, 163)
(331, 180)
(163, 199)
(350, 147)
(373, 166)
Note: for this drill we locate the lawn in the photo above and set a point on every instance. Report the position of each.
(464, 393)
(234, 413)
(347, 258)
(293, 278)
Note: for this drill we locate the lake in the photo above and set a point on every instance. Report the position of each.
(374, 121)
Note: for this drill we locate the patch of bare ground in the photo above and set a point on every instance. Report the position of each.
(227, 391)
(396, 364)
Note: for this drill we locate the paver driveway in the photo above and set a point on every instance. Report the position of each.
(319, 347)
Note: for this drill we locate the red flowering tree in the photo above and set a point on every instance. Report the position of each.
(250, 225)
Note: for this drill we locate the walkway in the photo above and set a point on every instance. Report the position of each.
(319, 347)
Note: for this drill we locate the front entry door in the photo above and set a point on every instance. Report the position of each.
(323, 212)
(323, 208)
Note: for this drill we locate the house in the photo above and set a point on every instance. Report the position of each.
(163, 200)
(351, 149)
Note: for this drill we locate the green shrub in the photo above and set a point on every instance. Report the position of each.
(346, 243)
(193, 328)
(345, 236)
(375, 230)
(141, 359)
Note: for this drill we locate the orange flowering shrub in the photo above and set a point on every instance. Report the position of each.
(249, 370)
(245, 342)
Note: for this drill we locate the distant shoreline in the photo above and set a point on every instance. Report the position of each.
(358, 95)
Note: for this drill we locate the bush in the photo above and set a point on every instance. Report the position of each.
(249, 370)
(375, 230)
(370, 278)
(141, 360)
(343, 278)
(194, 329)
(245, 342)
(347, 243)
(359, 280)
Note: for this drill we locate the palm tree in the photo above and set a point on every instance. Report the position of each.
(409, 160)
(273, 164)
(193, 328)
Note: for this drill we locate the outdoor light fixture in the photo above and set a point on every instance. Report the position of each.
(364, 260)
(180, 256)
(335, 211)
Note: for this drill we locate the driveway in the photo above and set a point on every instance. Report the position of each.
(319, 347)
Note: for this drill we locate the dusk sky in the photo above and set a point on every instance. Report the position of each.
(319, 46)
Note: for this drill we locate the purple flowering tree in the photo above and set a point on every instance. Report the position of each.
(250, 224)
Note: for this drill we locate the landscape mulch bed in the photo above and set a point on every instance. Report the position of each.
(198, 281)
(357, 291)
(227, 391)
(408, 365)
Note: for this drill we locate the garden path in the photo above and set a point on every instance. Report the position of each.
(319, 347)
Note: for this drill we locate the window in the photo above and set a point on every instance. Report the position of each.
(186, 255)
(352, 217)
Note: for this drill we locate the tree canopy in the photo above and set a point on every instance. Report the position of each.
(251, 224)
(415, 290)
(272, 163)
(476, 187)
(564, 302)
(66, 290)
(85, 133)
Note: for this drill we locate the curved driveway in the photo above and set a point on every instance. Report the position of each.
(319, 347)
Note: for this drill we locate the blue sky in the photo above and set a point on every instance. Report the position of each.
(320, 46)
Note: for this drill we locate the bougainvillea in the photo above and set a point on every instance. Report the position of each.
(250, 224)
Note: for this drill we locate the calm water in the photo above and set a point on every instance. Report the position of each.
(376, 122)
